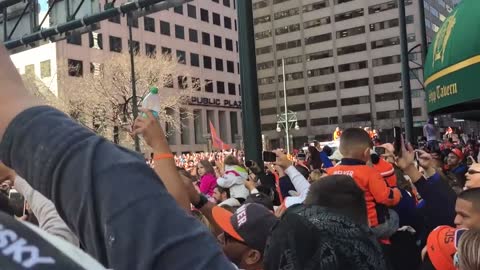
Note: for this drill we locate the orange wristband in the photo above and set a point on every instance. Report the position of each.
(162, 156)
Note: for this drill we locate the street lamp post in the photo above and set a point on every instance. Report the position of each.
(285, 104)
(134, 86)
(287, 121)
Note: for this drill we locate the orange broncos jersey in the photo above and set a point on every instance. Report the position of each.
(377, 193)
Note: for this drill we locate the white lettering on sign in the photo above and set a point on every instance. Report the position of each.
(22, 253)
(241, 215)
(349, 173)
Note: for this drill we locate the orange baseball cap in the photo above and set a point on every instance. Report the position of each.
(441, 247)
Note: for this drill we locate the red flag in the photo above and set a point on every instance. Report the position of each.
(216, 141)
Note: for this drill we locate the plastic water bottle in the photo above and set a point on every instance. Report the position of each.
(152, 102)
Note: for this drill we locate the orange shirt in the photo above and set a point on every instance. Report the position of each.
(377, 193)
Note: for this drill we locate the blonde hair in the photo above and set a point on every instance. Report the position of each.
(468, 250)
(315, 175)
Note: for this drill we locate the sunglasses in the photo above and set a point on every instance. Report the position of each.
(472, 172)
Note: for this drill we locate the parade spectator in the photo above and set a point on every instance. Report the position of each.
(245, 233)
(208, 180)
(355, 146)
(468, 254)
(233, 177)
(337, 133)
(99, 189)
(431, 133)
(314, 159)
(455, 162)
(473, 176)
(467, 209)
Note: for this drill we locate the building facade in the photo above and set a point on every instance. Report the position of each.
(202, 34)
(342, 64)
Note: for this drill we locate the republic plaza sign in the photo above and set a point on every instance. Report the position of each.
(215, 102)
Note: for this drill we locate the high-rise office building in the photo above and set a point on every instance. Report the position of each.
(342, 64)
(202, 34)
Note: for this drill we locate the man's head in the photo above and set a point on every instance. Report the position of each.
(454, 158)
(245, 233)
(221, 194)
(473, 176)
(468, 209)
(341, 194)
(355, 143)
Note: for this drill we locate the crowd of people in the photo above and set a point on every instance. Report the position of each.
(90, 204)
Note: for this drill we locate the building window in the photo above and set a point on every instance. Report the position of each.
(263, 50)
(207, 62)
(291, 76)
(217, 41)
(387, 78)
(363, 117)
(227, 22)
(333, 120)
(219, 64)
(323, 104)
(216, 18)
(193, 35)
(95, 40)
(45, 69)
(115, 44)
(354, 83)
(355, 101)
(316, 22)
(220, 87)
(319, 72)
(192, 11)
(208, 86)
(165, 28)
(286, 13)
(75, 68)
(388, 60)
(194, 60)
(268, 111)
(236, 45)
(352, 49)
(352, 66)
(265, 65)
(181, 56)
(267, 80)
(226, 3)
(205, 38)
(318, 39)
(319, 88)
(168, 82)
(263, 19)
(132, 21)
(179, 32)
(385, 42)
(178, 9)
(230, 67)
(349, 15)
(390, 114)
(74, 37)
(96, 68)
(287, 29)
(289, 45)
(389, 96)
(259, 4)
(196, 84)
(351, 32)
(115, 19)
(291, 60)
(263, 34)
(298, 108)
(182, 82)
(319, 55)
(136, 46)
(267, 96)
(386, 6)
(30, 70)
(166, 51)
(315, 6)
(338, 2)
(229, 44)
(149, 24)
(150, 49)
(232, 89)
(204, 15)
(216, 1)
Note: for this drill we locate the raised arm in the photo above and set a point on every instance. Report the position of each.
(107, 195)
